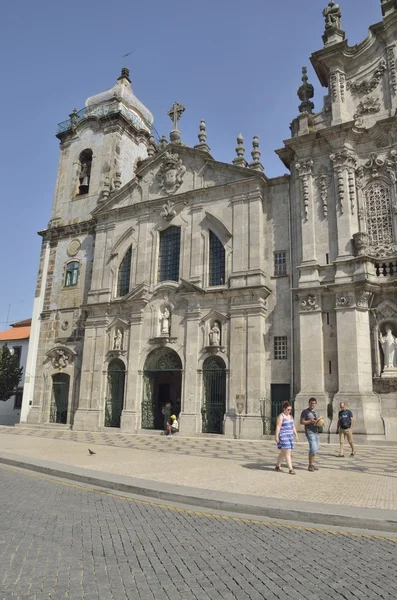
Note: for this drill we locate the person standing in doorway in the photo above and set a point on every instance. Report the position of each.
(167, 410)
(345, 429)
(309, 419)
(285, 432)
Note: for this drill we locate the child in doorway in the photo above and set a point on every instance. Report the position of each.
(174, 424)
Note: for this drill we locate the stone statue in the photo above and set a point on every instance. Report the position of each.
(118, 340)
(215, 335)
(61, 360)
(332, 15)
(389, 343)
(165, 321)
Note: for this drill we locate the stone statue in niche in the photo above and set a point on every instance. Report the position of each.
(215, 335)
(61, 359)
(118, 340)
(165, 321)
(389, 344)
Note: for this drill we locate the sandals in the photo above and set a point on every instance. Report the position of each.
(278, 469)
(292, 472)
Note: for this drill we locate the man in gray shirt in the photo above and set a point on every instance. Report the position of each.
(309, 419)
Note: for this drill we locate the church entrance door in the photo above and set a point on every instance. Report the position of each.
(60, 398)
(162, 383)
(214, 408)
(115, 396)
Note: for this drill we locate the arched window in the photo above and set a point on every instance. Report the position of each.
(123, 281)
(379, 214)
(170, 245)
(85, 160)
(72, 273)
(217, 261)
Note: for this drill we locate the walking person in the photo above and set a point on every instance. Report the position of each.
(285, 432)
(345, 429)
(309, 419)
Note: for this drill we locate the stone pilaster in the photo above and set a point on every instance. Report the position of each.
(196, 267)
(355, 363)
(345, 164)
(131, 415)
(190, 418)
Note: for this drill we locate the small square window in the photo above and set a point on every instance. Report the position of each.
(280, 263)
(280, 348)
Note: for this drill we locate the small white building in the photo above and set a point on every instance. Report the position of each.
(17, 339)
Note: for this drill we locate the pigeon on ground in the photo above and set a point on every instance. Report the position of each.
(91, 452)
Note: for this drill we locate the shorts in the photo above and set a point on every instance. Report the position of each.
(346, 433)
(313, 440)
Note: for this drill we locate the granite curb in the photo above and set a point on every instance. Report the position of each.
(274, 508)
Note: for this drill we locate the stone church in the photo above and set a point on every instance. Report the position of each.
(166, 275)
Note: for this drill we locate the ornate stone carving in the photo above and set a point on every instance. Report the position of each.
(361, 242)
(368, 85)
(376, 165)
(168, 212)
(309, 303)
(342, 85)
(333, 84)
(305, 170)
(61, 358)
(391, 60)
(342, 300)
(171, 173)
(383, 251)
(323, 182)
(337, 86)
(368, 106)
(118, 340)
(344, 160)
(73, 247)
(332, 15)
(363, 299)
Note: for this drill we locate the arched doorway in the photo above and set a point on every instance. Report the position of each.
(214, 407)
(60, 398)
(115, 394)
(162, 381)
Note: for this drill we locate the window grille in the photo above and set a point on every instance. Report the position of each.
(379, 214)
(217, 261)
(170, 245)
(72, 273)
(280, 263)
(280, 348)
(123, 282)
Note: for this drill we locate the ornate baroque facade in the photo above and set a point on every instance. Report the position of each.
(165, 274)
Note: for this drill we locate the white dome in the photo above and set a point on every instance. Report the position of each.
(123, 92)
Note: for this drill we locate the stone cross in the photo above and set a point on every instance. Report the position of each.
(175, 113)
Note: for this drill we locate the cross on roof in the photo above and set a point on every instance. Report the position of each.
(175, 113)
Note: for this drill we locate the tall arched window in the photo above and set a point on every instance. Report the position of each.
(170, 245)
(72, 273)
(85, 160)
(379, 214)
(217, 261)
(123, 280)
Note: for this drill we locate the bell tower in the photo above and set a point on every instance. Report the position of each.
(100, 146)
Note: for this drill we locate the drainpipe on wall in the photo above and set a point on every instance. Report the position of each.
(29, 381)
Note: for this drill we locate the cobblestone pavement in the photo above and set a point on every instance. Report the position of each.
(60, 540)
(371, 459)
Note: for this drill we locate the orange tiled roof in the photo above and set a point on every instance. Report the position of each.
(23, 323)
(17, 333)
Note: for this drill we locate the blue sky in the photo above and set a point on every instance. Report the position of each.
(235, 64)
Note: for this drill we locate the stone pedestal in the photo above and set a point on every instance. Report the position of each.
(251, 427)
(189, 424)
(389, 373)
(86, 419)
(129, 421)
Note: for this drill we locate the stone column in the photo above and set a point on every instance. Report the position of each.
(190, 418)
(311, 356)
(131, 415)
(89, 415)
(308, 269)
(355, 364)
(337, 89)
(196, 244)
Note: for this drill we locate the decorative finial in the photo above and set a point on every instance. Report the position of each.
(151, 151)
(388, 7)
(333, 31)
(125, 74)
(256, 155)
(175, 114)
(202, 136)
(163, 142)
(240, 150)
(305, 92)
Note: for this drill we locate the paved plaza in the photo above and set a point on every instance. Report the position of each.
(369, 480)
(60, 540)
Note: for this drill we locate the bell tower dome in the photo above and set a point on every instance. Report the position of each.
(100, 147)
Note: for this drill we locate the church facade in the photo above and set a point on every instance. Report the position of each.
(166, 275)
